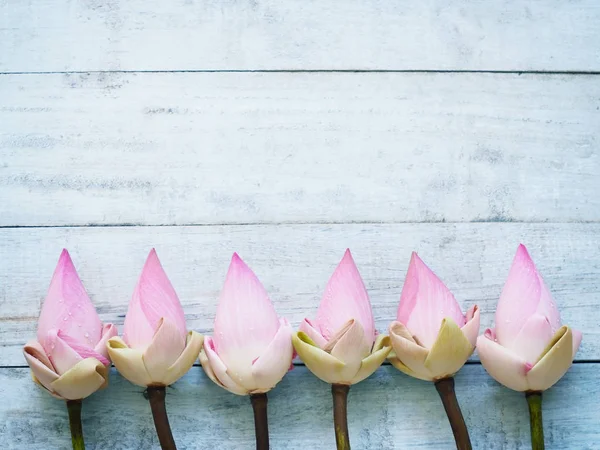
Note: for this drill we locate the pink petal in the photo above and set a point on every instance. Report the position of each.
(503, 365)
(307, 327)
(533, 338)
(108, 331)
(137, 331)
(274, 363)
(61, 355)
(523, 295)
(345, 298)
(246, 321)
(425, 302)
(41, 368)
(67, 306)
(577, 336)
(153, 298)
(351, 346)
(471, 328)
(547, 306)
(83, 350)
(35, 349)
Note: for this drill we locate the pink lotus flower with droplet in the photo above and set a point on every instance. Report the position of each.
(431, 337)
(251, 349)
(156, 348)
(528, 350)
(341, 345)
(69, 358)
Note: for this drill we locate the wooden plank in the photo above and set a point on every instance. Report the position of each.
(294, 262)
(191, 148)
(62, 35)
(387, 411)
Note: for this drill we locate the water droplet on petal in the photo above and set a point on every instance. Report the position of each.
(65, 318)
(70, 313)
(507, 321)
(87, 335)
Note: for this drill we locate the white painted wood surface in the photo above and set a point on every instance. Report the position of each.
(295, 262)
(387, 411)
(191, 148)
(70, 35)
(289, 167)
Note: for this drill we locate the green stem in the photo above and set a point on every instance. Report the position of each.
(534, 400)
(156, 396)
(445, 388)
(74, 408)
(261, 424)
(340, 415)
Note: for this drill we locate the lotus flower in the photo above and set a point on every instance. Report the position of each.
(528, 350)
(431, 337)
(69, 358)
(340, 346)
(156, 348)
(251, 349)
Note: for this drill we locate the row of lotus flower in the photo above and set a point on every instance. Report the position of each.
(252, 348)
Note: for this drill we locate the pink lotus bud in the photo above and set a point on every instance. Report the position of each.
(431, 337)
(156, 348)
(528, 350)
(340, 346)
(251, 349)
(69, 358)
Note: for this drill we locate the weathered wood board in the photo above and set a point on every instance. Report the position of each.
(66, 35)
(287, 131)
(190, 148)
(294, 262)
(387, 411)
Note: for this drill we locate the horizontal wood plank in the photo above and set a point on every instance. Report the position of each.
(64, 35)
(294, 262)
(198, 148)
(387, 411)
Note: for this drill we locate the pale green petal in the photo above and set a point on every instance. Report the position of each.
(554, 361)
(402, 368)
(408, 352)
(381, 350)
(129, 362)
(186, 360)
(319, 362)
(449, 352)
(81, 380)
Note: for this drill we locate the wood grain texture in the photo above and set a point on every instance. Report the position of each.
(294, 262)
(197, 148)
(387, 411)
(64, 35)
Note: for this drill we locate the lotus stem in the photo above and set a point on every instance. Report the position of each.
(261, 421)
(534, 400)
(340, 415)
(156, 396)
(445, 388)
(74, 408)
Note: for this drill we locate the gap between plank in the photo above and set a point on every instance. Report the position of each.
(301, 364)
(291, 222)
(443, 71)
